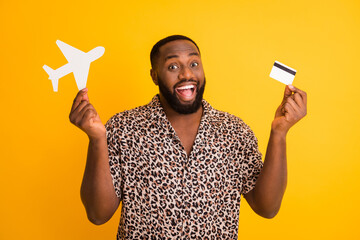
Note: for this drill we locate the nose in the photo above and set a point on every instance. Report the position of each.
(186, 73)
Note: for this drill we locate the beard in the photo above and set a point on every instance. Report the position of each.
(174, 102)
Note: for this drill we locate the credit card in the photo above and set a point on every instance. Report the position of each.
(282, 73)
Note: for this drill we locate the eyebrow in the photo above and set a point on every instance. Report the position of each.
(176, 56)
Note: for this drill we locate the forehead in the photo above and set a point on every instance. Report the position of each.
(177, 47)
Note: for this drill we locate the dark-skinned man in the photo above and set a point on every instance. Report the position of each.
(179, 166)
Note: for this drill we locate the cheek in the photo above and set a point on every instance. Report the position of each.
(199, 74)
(170, 79)
(199, 70)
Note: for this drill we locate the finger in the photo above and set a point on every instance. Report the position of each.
(79, 119)
(74, 115)
(285, 108)
(289, 112)
(298, 99)
(86, 96)
(87, 107)
(86, 116)
(80, 107)
(299, 91)
(287, 92)
(293, 104)
(89, 113)
(81, 95)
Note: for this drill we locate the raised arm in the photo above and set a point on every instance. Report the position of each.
(97, 191)
(265, 198)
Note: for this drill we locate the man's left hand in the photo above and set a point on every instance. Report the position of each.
(292, 108)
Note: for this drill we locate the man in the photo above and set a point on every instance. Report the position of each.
(178, 165)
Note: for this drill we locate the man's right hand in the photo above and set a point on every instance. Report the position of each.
(84, 116)
(97, 190)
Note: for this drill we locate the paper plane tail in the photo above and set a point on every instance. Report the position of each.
(52, 77)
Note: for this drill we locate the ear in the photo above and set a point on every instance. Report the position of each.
(153, 75)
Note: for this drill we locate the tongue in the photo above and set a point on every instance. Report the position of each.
(185, 92)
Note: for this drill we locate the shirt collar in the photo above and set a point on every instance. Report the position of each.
(210, 123)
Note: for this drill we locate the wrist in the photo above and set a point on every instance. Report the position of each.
(98, 137)
(279, 127)
(278, 133)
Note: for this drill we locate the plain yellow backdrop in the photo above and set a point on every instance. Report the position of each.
(43, 155)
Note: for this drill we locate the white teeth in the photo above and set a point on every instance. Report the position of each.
(186, 87)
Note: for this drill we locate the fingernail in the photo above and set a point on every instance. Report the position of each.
(291, 87)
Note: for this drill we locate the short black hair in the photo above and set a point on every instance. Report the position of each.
(155, 50)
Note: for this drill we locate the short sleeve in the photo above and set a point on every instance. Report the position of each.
(252, 161)
(113, 141)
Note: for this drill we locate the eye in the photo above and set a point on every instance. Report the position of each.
(173, 67)
(194, 64)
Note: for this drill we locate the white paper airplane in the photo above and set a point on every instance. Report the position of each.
(78, 63)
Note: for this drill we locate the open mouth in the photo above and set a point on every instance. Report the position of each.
(186, 92)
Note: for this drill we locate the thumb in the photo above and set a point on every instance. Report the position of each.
(85, 96)
(288, 91)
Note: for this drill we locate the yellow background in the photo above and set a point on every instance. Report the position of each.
(43, 155)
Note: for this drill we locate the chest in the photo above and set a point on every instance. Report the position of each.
(187, 136)
(198, 152)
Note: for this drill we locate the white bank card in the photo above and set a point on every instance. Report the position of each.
(283, 73)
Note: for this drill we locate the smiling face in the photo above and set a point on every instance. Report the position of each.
(180, 76)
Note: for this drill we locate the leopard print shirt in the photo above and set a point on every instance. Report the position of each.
(166, 194)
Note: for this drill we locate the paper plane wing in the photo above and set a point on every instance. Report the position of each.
(71, 54)
(81, 74)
